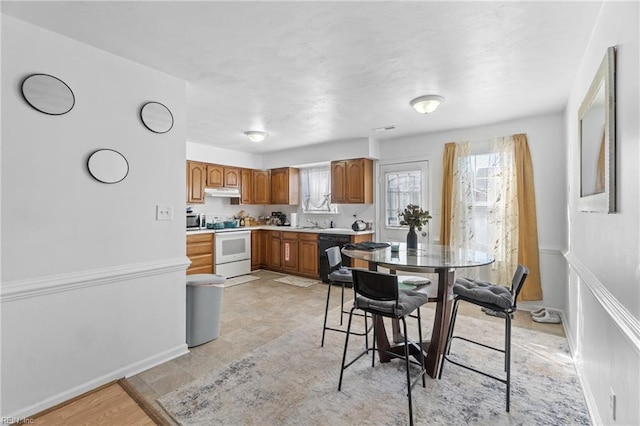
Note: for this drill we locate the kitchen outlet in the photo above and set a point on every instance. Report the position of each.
(164, 212)
(612, 404)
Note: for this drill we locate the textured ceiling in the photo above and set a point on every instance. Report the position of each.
(312, 72)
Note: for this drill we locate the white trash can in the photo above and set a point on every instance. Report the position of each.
(204, 307)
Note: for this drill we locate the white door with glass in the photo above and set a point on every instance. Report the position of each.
(402, 184)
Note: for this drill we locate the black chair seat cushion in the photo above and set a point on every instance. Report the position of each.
(483, 292)
(408, 301)
(342, 275)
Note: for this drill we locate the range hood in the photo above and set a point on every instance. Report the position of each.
(222, 192)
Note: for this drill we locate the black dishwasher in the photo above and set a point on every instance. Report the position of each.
(324, 242)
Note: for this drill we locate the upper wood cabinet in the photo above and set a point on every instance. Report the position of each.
(285, 186)
(196, 181)
(232, 177)
(220, 176)
(261, 186)
(352, 181)
(246, 187)
(215, 176)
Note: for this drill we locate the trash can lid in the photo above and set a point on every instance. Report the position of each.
(204, 279)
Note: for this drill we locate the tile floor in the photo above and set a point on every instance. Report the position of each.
(255, 313)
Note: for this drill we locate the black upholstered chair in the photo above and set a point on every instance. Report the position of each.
(499, 299)
(343, 276)
(378, 294)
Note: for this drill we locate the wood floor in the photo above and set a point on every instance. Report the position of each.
(253, 314)
(110, 405)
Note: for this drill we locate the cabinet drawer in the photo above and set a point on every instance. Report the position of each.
(197, 261)
(200, 270)
(307, 236)
(199, 238)
(275, 234)
(290, 236)
(195, 249)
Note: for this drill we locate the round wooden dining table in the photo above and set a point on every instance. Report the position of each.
(427, 258)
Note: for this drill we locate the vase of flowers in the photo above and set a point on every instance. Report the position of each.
(415, 218)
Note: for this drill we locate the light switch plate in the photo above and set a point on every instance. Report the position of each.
(164, 212)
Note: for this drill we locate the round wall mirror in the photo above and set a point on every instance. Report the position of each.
(108, 166)
(47, 94)
(156, 117)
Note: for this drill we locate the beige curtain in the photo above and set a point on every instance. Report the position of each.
(515, 236)
(528, 252)
(448, 161)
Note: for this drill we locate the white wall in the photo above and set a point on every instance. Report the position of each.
(92, 286)
(545, 135)
(603, 296)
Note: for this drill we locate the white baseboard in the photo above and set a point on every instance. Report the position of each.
(127, 371)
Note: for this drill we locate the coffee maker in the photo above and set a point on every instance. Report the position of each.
(278, 218)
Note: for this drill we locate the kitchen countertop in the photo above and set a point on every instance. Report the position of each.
(341, 231)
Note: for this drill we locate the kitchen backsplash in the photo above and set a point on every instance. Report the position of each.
(223, 208)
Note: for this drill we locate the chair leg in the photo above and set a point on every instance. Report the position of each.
(366, 332)
(373, 351)
(422, 364)
(326, 310)
(406, 361)
(346, 343)
(342, 304)
(447, 346)
(507, 357)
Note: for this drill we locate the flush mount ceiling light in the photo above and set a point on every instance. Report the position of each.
(255, 135)
(426, 104)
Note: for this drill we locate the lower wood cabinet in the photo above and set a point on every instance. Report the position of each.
(293, 253)
(256, 249)
(275, 250)
(200, 252)
(308, 250)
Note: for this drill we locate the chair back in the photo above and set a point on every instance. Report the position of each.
(518, 281)
(335, 258)
(375, 285)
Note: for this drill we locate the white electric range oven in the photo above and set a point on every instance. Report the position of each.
(232, 252)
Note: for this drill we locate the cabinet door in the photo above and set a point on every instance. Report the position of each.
(275, 251)
(215, 176)
(256, 249)
(261, 187)
(265, 246)
(196, 181)
(360, 181)
(231, 177)
(339, 182)
(308, 255)
(290, 252)
(246, 187)
(279, 186)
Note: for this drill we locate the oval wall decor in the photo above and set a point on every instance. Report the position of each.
(47, 94)
(156, 117)
(108, 166)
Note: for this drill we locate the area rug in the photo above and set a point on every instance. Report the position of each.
(293, 381)
(230, 282)
(296, 281)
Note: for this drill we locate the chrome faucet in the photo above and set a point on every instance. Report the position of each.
(315, 224)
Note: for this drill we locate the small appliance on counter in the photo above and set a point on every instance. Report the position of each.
(278, 219)
(196, 221)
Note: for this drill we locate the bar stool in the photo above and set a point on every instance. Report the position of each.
(343, 276)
